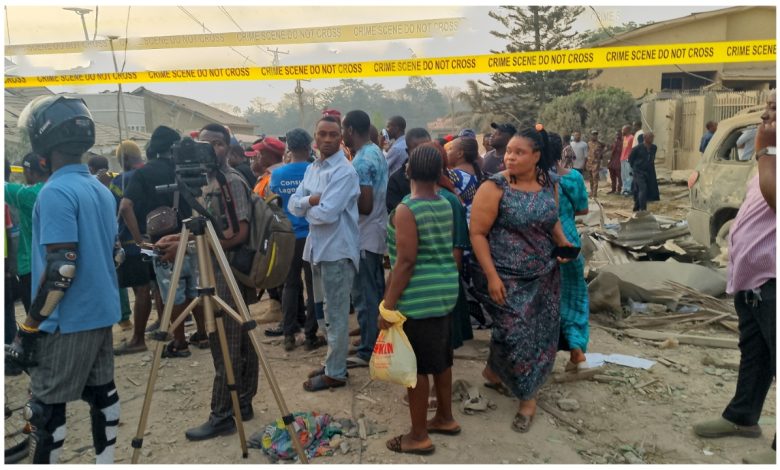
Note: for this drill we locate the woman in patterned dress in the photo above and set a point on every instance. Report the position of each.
(464, 172)
(514, 229)
(572, 201)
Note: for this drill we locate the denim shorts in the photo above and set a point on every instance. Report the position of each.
(188, 281)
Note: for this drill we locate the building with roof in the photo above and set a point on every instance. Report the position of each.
(741, 23)
(185, 114)
(107, 136)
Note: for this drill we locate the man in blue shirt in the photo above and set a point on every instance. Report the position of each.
(369, 285)
(284, 181)
(327, 198)
(396, 156)
(711, 127)
(66, 342)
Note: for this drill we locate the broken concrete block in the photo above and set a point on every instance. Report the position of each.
(568, 404)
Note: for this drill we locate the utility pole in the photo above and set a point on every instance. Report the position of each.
(298, 88)
(81, 12)
(120, 100)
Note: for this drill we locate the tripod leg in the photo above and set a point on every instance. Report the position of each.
(138, 441)
(287, 417)
(212, 321)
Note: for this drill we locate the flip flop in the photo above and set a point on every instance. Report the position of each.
(125, 348)
(446, 432)
(500, 388)
(315, 384)
(521, 423)
(199, 341)
(394, 444)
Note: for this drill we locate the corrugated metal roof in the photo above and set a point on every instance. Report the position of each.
(206, 111)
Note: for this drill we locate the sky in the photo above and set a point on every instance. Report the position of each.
(35, 24)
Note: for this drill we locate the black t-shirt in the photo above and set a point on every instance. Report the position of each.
(398, 187)
(141, 190)
(246, 172)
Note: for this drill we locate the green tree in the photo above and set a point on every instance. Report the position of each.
(594, 36)
(534, 28)
(604, 109)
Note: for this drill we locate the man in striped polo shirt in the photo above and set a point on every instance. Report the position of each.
(751, 279)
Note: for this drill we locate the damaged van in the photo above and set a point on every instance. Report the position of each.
(719, 183)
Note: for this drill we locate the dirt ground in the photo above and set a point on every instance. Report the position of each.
(644, 417)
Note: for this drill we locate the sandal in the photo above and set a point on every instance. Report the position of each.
(313, 343)
(172, 352)
(125, 348)
(500, 388)
(199, 340)
(394, 444)
(320, 382)
(446, 432)
(522, 423)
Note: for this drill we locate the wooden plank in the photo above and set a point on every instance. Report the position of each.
(548, 408)
(713, 342)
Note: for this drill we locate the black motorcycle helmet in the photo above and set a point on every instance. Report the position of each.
(58, 122)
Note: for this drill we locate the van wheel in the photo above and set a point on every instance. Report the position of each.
(722, 238)
(720, 248)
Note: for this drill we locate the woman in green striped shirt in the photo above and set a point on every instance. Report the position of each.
(423, 286)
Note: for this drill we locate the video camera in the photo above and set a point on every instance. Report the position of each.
(193, 161)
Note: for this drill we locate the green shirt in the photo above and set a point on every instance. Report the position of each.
(23, 197)
(433, 289)
(460, 228)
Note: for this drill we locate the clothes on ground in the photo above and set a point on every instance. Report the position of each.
(74, 207)
(284, 181)
(573, 197)
(23, 198)
(752, 242)
(333, 223)
(433, 289)
(314, 431)
(525, 332)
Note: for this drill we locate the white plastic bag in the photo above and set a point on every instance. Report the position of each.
(393, 359)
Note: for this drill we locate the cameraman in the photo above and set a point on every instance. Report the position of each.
(141, 198)
(223, 202)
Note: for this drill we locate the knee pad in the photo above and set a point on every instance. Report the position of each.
(48, 425)
(104, 411)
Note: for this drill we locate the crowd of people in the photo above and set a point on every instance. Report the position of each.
(471, 240)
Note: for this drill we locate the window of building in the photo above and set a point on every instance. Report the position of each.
(686, 81)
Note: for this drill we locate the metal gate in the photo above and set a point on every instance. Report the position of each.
(729, 104)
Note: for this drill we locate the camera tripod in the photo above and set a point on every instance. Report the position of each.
(206, 243)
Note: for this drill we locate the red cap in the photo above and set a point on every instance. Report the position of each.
(250, 154)
(271, 144)
(195, 134)
(449, 137)
(332, 112)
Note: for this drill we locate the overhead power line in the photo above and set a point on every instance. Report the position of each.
(203, 25)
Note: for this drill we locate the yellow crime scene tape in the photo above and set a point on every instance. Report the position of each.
(596, 58)
(341, 33)
(16, 169)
